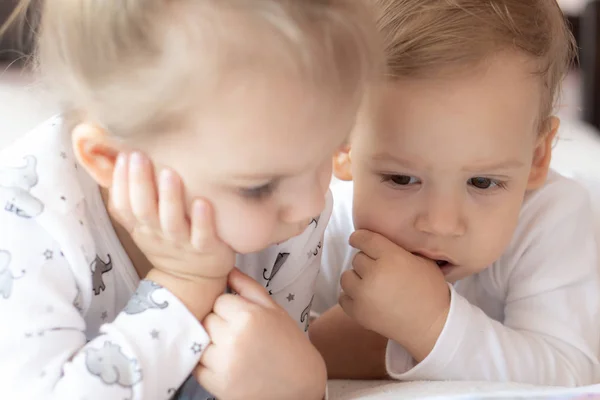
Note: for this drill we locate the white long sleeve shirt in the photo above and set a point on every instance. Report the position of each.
(77, 323)
(533, 316)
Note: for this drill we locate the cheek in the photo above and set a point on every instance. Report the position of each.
(495, 226)
(245, 228)
(376, 210)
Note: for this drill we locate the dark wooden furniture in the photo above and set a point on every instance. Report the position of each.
(588, 30)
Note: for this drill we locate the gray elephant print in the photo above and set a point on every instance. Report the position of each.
(142, 299)
(112, 366)
(99, 268)
(305, 316)
(279, 261)
(6, 275)
(16, 183)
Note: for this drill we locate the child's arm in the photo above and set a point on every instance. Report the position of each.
(144, 354)
(349, 350)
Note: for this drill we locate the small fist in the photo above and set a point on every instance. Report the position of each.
(257, 350)
(395, 293)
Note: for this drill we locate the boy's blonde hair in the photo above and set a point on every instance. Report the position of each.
(423, 38)
(143, 66)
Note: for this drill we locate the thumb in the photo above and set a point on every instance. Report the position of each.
(249, 289)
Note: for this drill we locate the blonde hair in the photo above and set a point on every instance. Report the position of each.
(423, 38)
(137, 66)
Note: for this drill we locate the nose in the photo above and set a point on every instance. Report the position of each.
(308, 200)
(442, 216)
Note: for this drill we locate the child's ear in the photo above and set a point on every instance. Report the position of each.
(542, 154)
(95, 151)
(341, 164)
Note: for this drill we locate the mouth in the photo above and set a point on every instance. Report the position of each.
(443, 263)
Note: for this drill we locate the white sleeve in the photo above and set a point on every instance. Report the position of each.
(337, 253)
(551, 328)
(146, 353)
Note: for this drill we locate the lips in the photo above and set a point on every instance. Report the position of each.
(441, 260)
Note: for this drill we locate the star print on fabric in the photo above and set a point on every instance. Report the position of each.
(63, 155)
(28, 334)
(104, 315)
(81, 222)
(290, 297)
(63, 198)
(154, 334)
(196, 348)
(48, 254)
(62, 254)
(49, 309)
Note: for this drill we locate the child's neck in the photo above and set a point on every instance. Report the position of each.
(139, 260)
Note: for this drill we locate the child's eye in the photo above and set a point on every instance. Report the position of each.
(258, 192)
(484, 183)
(399, 180)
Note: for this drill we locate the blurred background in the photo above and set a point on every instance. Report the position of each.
(23, 102)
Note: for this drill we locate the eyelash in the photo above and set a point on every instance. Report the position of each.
(389, 178)
(258, 192)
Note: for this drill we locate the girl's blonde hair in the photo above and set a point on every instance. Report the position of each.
(423, 38)
(139, 66)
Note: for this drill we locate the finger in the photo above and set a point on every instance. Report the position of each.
(215, 326)
(362, 263)
(350, 282)
(171, 208)
(203, 233)
(347, 303)
(372, 244)
(211, 358)
(119, 193)
(227, 306)
(249, 289)
(142, 191)
(207, 378)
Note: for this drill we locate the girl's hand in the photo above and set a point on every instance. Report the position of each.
(257, 350)
(177, 242)
(187, 256)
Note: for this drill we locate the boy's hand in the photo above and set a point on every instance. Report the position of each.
(257, 350)
(176, 242)
(395, 293)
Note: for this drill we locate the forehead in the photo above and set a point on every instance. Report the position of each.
(498, 103)
(271, 128)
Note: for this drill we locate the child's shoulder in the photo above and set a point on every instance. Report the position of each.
(558, 197)
(38, 171)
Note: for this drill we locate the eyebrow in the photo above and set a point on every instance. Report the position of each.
(276, 177)
(503, 165)
(387, 157)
